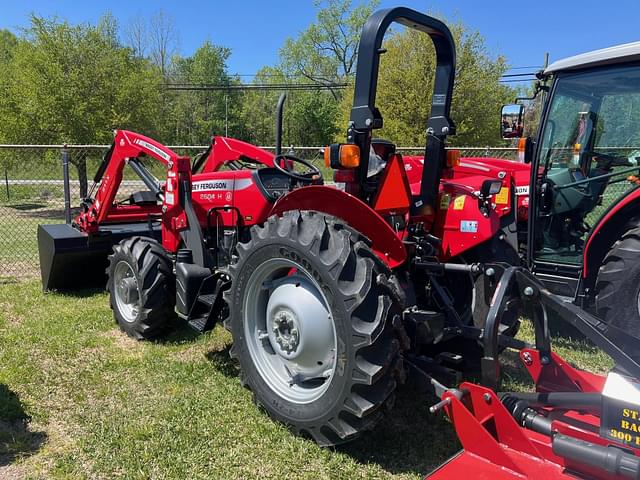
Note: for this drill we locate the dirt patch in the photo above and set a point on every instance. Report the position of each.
(10, 313)
(12, 472)
(19, 270)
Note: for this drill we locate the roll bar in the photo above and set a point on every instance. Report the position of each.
(365, 116)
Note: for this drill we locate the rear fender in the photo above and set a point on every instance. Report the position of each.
(357, 214)
(622, 215)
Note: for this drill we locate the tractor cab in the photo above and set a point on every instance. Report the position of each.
(584, 165)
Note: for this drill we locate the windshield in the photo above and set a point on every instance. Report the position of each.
(593, 112)
(588, 157)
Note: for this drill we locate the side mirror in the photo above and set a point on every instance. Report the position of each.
(512, 121)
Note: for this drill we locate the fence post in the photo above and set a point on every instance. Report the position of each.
(65, 177)
(6, 183)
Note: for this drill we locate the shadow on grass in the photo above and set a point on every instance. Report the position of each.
(180, 333)
(16, 439)
(222, 362)
(79, 293)
(409, 440)
(27, 206)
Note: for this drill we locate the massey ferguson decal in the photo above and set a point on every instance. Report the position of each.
(220, 184)
(219, 188)
(153, 148)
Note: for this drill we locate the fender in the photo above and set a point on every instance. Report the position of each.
(356, 213)
(608, 230)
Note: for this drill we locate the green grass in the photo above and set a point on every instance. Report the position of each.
(78, 399)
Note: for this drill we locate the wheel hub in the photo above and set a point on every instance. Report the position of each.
(128, 290)
(285, 330)
(125, 291)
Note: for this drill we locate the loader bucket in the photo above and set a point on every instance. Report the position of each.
(71, 259)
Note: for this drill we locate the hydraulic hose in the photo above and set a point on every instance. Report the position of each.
(611, 460)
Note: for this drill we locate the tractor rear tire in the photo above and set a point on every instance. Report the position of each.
(322, 359)
(141, 287)
(618, 284)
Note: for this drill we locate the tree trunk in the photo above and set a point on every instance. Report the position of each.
(81, 166)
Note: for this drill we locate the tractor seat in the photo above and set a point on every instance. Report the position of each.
(383, 148)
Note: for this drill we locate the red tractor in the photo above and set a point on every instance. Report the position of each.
(332, 295)
(323, 287)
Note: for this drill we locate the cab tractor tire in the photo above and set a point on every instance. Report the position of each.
(311, 310)
(141, 287)
(618, 284)
(468, 292)
(496, 251)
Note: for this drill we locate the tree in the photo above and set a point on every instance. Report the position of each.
(326, 51)
(405, 86)
(163, 40)
(75, 84)
(199, 114)
(8, 42)
(137, 36)
(308, 115)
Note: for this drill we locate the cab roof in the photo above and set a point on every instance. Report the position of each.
(627, 52)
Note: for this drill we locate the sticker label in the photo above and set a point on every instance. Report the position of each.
(524, 190)
(458, 203)
(502, 197)
(469, 226)
(152, 148)
(438, 99)
(169, 199)
(445, 198)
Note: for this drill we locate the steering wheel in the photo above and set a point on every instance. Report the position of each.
(312, 174)
(607, 161)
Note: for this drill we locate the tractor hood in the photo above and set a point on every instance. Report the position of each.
(473, 170)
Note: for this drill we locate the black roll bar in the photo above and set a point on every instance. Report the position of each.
(365, 116)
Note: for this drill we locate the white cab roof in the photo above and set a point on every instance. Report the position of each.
(627, 52)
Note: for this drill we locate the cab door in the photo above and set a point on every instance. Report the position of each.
(589, 145)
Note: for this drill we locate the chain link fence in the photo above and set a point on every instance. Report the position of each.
(32, 191)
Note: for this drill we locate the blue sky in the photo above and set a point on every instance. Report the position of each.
(255, 29)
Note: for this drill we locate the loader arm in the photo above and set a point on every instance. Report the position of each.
(126, 146)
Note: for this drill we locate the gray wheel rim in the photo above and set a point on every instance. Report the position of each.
(125, 291)
(289, 330)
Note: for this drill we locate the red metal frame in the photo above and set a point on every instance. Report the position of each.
(495, 447)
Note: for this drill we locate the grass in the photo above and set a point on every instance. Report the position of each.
(79, 399)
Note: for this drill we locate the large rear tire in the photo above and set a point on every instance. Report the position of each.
(618, 284)
(141, 287)
(311, 319)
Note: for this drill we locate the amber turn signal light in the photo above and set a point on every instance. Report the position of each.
(453, 158)
(342, 155)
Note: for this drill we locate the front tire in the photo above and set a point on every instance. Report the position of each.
(618, 284)
(312, 330)
(141, 287)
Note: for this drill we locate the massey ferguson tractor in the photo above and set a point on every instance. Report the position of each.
(332, 296)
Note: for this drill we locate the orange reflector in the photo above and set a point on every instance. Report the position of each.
(453, 158)
(327, 156)
(349, 156)
(522, 148)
